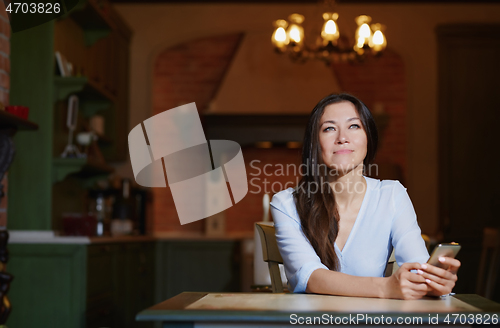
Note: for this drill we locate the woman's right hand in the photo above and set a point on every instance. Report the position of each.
(404, 284)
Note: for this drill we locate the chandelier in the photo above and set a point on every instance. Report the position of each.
(288, 38)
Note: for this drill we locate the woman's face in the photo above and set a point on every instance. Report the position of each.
(342, 137)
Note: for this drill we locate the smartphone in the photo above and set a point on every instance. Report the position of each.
(448, 250)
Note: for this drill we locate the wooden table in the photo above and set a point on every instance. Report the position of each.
(194, 309)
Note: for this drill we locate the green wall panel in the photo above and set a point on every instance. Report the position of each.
(32, 83)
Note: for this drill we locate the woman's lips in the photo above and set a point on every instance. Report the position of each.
(343, 151)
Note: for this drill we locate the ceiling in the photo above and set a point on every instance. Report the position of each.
(306, 1)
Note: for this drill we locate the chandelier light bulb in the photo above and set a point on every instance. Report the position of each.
(330, 31)
(363, 33)
(280, 35)
(378, 41)
(279, 38)
(295, 33)
(378, 38)
(295, 30)
(330, 27)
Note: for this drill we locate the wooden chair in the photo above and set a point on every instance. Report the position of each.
(489, 267)
(392, 265)
(271, 255)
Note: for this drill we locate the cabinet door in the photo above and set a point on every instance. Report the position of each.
(140, 281)
(48, 289)
(100, 315)
(202, 266)
(134, 283)
(100, 284)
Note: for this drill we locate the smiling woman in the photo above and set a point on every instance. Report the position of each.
(337, 228)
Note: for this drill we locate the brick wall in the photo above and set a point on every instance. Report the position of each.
(268, 171)
(193, 71)
(189, 72)
(4, 91)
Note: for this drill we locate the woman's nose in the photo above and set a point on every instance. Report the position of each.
(342, 137)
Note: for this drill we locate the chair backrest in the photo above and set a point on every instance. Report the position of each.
(392, 265)
(489, 267)
(271, 255)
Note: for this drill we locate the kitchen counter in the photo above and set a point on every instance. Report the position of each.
(108, 280)
(49, 237)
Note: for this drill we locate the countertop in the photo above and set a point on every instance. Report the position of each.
(50, 237)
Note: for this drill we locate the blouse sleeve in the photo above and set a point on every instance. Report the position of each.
(406, 235)
(299, 257)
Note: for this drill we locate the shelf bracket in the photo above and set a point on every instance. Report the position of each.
(92, 36)
(65, 86)
(91, 107)
(62, 167)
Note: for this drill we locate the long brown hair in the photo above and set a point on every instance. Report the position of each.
(314, 198)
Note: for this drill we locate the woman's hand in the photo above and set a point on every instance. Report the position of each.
(440, 281)
(404, 284)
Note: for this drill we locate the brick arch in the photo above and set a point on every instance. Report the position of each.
(185, 73)
(380, 84)
(192, 71)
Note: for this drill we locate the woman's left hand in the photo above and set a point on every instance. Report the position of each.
(440, 281)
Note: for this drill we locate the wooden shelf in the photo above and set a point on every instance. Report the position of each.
(92, 97)
(79, 167)
(11, 121)
(104, 140)
(92, 20)
(94, 87)
(91, 169)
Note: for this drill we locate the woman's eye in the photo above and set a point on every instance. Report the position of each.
(330, 128)
(355, 126)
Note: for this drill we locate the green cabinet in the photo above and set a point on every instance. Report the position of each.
(197, 265)
(49, 286)
(107, 284)
(98, 285)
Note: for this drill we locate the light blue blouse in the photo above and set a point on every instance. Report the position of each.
(385, 220)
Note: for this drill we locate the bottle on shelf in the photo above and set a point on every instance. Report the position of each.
(99, 206)
(122, 213)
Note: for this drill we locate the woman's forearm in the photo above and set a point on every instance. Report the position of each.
(324, 281)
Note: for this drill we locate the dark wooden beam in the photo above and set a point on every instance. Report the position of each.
(310, 1)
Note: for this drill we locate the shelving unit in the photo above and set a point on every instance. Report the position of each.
(11, 121)
(96, 41)
(65, 277)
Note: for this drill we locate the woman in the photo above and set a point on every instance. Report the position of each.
(336, 230)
